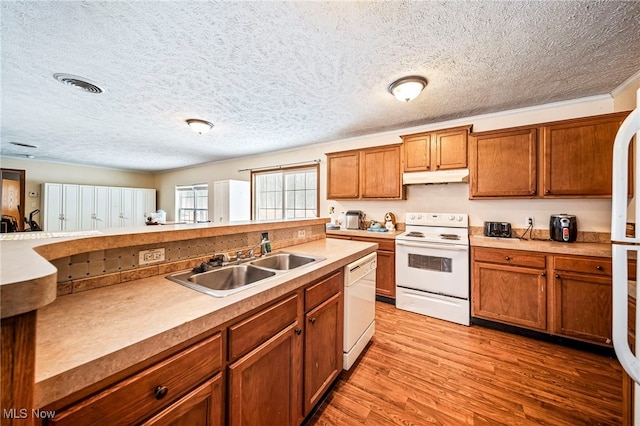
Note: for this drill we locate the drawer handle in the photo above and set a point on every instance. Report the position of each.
(160, 391)
(507, 258)
(298, 331)
(599, 268)
(312, 320)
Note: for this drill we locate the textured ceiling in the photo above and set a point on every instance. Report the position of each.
(277, 75)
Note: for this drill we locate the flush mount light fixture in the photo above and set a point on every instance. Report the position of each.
(408, 88)
(199, 126)
(81, 83)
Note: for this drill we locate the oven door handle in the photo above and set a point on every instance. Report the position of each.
(449, 247)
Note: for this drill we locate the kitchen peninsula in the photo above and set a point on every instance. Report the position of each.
(116, 333)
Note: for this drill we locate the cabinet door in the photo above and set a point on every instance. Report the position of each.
(582, 306)
(417, 152)
(201, 407)
(577, 157)
(323, 349)
(343, 175)
(264, 385)
(127, 207)
(513, 295)
(52, 220)
(86, 217)
(70, 207)
(102, 207)
(450, 149)
(386, 274)
(380, 173)
(503, 164)
(115, 209)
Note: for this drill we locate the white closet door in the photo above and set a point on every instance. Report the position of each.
(87, 207)
(128, 214)
(115, 210)
(101, 220)
(52, 205)
(71, 207)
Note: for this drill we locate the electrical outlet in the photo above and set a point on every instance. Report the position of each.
(146, 257)
(302, 233)
(530, 221)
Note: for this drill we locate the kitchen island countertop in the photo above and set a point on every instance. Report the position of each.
(84, 338)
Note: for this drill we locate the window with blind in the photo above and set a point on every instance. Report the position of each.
(285, 193)
(192, 203)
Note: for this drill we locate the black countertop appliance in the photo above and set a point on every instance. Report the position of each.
(563, 228)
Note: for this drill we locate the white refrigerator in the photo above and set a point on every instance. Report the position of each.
(625, 247)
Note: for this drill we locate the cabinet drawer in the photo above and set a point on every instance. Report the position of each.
(509, 257)
(253, 331)
(599, 266)
(139, 396)
(322, 290)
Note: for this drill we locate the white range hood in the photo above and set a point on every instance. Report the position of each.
(444, 176)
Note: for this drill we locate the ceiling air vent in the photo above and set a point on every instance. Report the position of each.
(79, 82)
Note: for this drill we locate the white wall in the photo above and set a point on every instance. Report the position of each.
(38, 172)
(593, 215)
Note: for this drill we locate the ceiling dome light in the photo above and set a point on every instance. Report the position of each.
(408, 88)
(199, 126)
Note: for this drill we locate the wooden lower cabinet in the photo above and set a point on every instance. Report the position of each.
(583, 307)
(322, 347)
(263, 386)
(572, 300)
(386, 267)
(510, 294)
(265, 367)
(202, 407)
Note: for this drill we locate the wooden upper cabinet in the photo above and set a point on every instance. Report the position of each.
(577, 156)
(371, 173)
(432, 151)
(343, 173)
(380, 172)
(503, 163)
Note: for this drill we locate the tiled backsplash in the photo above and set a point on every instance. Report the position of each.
(101, 268)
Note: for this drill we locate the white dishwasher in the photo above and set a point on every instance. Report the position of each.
(359, 306)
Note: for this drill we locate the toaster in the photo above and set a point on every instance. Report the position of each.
(497, 229)
(355, 219)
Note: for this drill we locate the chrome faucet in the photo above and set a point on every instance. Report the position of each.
(263, 252)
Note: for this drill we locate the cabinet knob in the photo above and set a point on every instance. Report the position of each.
(557, 276)
(160, 391)
(533, 192)
(312, 320)
(437, 166)
(298, 331)
(547, 191)
(507, 258)
(599, 268)
(544, 274)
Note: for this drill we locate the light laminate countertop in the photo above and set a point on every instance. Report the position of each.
(547, 246)
(389, 235)
(28, 280)
(86, 337)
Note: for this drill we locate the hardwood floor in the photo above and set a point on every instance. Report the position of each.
(423, 371)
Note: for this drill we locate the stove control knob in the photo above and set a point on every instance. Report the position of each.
(451, 217)
(459, 218)
(419, 216)
(412, 216)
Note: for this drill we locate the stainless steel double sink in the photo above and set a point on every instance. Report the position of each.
(230, 279)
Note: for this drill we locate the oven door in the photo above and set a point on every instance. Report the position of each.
(433, 267)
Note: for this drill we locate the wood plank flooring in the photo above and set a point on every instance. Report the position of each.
(423, 371)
